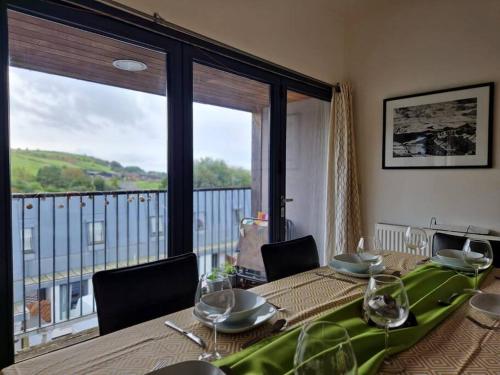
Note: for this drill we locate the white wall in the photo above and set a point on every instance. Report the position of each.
(397, 47)
(302, 35)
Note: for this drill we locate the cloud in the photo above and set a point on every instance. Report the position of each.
(51, 112)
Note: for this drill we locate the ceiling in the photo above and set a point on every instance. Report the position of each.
(53, 48)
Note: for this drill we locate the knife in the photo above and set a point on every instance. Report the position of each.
(198, 340)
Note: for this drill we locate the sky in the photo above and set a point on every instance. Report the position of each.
(50, 112)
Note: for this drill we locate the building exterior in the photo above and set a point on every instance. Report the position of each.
(60, 240)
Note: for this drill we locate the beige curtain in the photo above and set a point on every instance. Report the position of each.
(343, 206)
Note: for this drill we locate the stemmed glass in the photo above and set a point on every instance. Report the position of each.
(324, 348)
(386, 302)
(479, 255)
(214, 301)
(416, 241)
(370, 251)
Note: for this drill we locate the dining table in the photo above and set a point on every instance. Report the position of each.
(457, 345)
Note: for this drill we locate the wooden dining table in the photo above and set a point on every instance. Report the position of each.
(456, 346)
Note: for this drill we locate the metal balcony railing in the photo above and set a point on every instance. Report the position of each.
(61, 239)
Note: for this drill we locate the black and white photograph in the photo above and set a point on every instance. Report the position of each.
(438, 129)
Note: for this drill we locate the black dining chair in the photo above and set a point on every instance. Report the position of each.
(442, 241)
(282, 259)
(448, 241)
(132, 295)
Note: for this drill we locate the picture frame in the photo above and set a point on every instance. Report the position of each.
(450, 128)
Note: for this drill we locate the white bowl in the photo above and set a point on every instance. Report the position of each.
(350, 262)
(452, 256)
(487, 303)
(246, 304)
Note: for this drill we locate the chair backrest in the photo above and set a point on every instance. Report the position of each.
(253, 234)
(448, 241)
(131, 295)
(282, 259)
(442, 241)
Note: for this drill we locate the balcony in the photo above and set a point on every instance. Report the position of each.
(61, 239)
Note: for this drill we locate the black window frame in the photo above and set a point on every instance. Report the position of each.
(182, 50)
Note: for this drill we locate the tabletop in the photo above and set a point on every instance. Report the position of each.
(456, 346)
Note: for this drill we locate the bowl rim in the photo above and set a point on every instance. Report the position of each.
(487, 312)
(260, 301)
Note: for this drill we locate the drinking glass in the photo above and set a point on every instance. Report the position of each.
(479, 255)
(214, 301)
(415, 241)
(370, 251)
(324, 348)
(386, 302)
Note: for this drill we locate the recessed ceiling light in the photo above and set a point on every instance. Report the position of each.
(130, 65)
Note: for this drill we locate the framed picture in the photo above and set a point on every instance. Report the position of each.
(439, 129)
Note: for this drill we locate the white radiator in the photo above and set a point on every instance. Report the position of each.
(391, 237)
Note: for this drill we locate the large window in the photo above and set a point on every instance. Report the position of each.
(98, 150)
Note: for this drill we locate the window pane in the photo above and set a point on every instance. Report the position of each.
(231, 167)
(306, 157)
(88, 125)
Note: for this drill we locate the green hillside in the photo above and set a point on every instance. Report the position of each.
(53, 171)
(32, 160)
(35, 171)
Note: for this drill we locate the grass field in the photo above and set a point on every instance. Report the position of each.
(25, 165)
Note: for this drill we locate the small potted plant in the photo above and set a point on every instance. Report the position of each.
(230, 271)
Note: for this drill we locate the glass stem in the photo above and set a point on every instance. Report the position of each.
(215, 337)
(476, 272)
(386, 336)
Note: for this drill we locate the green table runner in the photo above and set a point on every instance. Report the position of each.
(425, 286)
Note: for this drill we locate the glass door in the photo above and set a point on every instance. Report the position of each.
(230, 168)
(88, 125)
(306, 159)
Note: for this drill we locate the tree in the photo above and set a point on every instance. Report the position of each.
(210, 173)
(115, 183)
(134, 169)
(77, 180)
(99, 184)
(115, 166)
(50, 175)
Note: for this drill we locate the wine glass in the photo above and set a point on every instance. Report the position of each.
(416, 241)
(370, 251)
(386, 302)
(214, 301)
(324, 348)
(479, 255)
